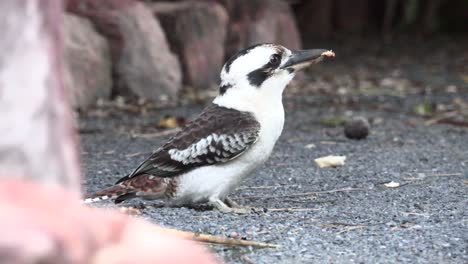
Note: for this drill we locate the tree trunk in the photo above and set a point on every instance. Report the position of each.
(430, 18)
(314, 18)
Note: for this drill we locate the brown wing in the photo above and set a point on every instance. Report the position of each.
(217, 135)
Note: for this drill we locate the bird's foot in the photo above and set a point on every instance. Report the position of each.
(229, 202)
(227, 206)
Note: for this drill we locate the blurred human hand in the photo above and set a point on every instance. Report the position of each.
(45, 224)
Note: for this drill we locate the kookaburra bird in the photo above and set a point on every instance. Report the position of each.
(235, 134)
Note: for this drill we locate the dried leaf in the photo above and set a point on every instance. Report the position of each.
(392, 184)
(330, 161)
(170, 122)
(423, 109)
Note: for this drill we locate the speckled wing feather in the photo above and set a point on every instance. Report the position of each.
(217, 135)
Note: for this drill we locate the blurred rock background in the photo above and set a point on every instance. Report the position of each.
(165, 51)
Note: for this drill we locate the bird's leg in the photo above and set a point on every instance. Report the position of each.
(231, 203)
(223, 207)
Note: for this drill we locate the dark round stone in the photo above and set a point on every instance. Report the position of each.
(357, 128)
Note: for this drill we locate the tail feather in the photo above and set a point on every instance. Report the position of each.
(144, 185)
(118, 192)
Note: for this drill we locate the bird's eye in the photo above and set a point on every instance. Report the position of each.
(275, 60)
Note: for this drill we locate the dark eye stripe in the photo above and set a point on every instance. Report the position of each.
(258, 76)
(224, 88)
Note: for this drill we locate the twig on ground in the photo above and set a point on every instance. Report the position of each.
(219, 240)
(445, 174)
(291, 209)
(339, 224)
(133, 154)
(417, 214)
(440, 117)
(434, 175)
(350, 229)
(267, 186)
(454, 122)
(157, 134)
(306, 193)
(448, 118)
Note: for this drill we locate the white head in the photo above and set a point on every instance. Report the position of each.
(261, 72)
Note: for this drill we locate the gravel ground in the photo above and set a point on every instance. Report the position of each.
(422, 221)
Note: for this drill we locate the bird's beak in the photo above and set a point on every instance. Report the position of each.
(301, 59)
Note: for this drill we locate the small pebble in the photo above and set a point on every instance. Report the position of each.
(357, 128)
(234, 235)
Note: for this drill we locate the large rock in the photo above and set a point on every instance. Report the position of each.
(88, 68)
(103, 14)
(146, 65)
(257, 21)
(143, 63)
(197, 32)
